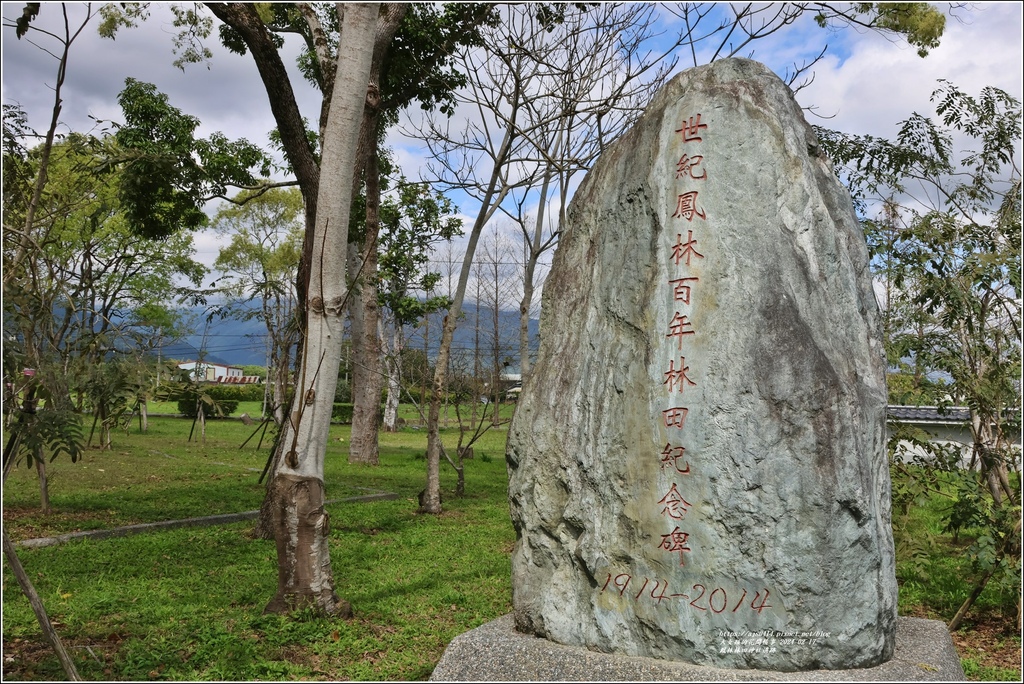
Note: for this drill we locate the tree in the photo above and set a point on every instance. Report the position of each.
(256, 29)
(947, 239)
(89, 281)
(167, 173)
(536, 128)
(15, 248)
(416, 219)
(598, 74)
(325, 178)
(259, 263)
(498, 148)
(494, 295)
(86, 286)
(414, 66)
(300, 521)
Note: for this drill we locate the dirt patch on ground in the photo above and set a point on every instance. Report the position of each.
(33, 659)
(991, 641)
(30, 523)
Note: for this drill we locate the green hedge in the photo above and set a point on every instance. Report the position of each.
(235, 392)
(342, 413)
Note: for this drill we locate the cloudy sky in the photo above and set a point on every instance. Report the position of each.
(866, 83)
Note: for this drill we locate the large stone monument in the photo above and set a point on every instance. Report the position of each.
(697, 463)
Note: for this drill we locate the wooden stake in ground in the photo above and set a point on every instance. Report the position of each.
(39, 610)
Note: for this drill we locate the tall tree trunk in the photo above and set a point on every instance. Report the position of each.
(492, 198)
(277, 387)
(301, 524)
(367, 374)
(279, 394)
(106, 441)
(987, 453)
(475, 399)
(393, 359)
(432, 494)
(202, 424)
(426, 364)
(496, 366)
(529, 273)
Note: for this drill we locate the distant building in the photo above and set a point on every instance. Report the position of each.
(951, 428)
(217, 372)
(513, 384)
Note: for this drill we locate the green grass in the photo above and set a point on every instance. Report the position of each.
(186, 604)
(933, 567)
(975, 671)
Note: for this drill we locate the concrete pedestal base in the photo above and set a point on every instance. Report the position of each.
(496, 652)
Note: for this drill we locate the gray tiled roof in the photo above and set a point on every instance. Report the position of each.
(930, 414)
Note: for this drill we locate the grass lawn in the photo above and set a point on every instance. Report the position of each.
(187, 604)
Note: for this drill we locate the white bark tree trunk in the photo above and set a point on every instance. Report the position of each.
(393, 360)
(301, 525)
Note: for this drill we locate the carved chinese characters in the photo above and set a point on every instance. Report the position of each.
(680, 291)
(699, 450)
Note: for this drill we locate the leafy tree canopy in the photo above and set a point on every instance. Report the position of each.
(948, 241)
(919, 23)
(167, 172)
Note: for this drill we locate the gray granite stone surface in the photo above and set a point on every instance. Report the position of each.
(700, 449)
(496, 652)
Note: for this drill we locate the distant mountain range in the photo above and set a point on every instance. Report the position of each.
(237, 342)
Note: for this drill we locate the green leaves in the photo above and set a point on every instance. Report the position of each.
(50, 431)
(28, 13)
(421, 59)
(412, 222)
(168, 173)
(919, 22)
(944, 242)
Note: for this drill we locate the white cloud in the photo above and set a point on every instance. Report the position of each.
(867, 82)
(226, 95)
(882, 83)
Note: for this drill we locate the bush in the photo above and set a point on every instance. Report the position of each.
(343, 392)
(342, 413)
(235, 392)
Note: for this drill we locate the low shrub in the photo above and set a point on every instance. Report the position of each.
(252, 392)
(342, 413)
